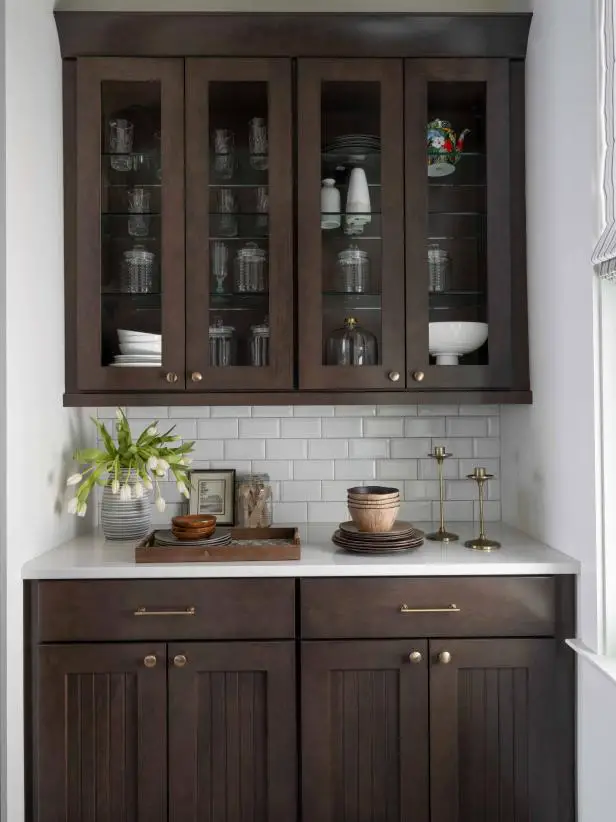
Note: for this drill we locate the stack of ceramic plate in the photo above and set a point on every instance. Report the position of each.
(168, 539)
(353, 148)
(139, 349)
(402, 537)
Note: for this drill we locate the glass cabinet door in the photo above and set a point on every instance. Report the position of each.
(350, 224)
(458, 214)
(130, 205)
(239, 289)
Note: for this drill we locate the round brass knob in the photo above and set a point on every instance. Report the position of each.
(394, 376)
(444, 657)
(179, 660)
(418, 376)
(150, 661)
(415, 657)
(171, 377)
(196, 376)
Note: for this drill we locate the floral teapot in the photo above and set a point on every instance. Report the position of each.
(444, 150)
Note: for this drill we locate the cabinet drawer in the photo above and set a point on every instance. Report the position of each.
(484, 606)
(71, 611)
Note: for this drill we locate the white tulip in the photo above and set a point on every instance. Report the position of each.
(183, 489)
(160, 472)
(74, 479)
(185, 461)
(147, 484)
(119, 415)
(152, 431)
(163, 465)
(81, 511)
(115, 486)
(137, 490)
(73, 505)
(152, 463)
(125, 493)
(160, 504)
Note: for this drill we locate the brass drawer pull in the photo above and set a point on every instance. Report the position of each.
(450, 609)
(186, 612)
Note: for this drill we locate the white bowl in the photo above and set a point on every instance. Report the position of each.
(140, 348)
(137, 336)
(448, 341)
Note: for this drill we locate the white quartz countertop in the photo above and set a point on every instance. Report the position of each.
(91, 557)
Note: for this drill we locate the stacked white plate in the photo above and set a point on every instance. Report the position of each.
(353, 148)
(138, 349)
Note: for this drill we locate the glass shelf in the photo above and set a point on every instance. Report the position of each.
(339, 300)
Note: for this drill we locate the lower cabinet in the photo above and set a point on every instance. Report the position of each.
(446, 730)
(150, 732)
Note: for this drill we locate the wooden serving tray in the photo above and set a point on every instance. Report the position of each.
(247, 544)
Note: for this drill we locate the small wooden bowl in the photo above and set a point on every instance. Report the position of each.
(198, 521)
(387, 504)
(192, 534)
(375, 521)
(373, 493)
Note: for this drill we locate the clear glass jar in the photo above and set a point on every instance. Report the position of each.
(351, 345)
(250, 269)
(259, 344)
(222, 344)
(254, 501)
(353, 271)
(439, 267)
(138, 271)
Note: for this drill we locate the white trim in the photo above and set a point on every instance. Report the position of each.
(605, 664)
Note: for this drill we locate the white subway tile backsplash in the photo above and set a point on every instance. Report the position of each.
(368, 448)
(342, 427)
(297, 428)
(286, 449)
(313, 470)
(245, 449)
(217, 429)
(491, 511)
(313, 454)
(384, 427)
(301, 491)
(259, 428)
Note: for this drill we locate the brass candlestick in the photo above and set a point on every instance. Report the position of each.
(481, 543)
(442, 535)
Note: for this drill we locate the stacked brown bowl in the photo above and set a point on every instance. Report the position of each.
(193, 527)
(373, 508)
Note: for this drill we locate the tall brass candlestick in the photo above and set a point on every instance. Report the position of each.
(481, 543)
(442, 535)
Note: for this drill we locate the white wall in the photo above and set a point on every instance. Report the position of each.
(549, 465)
(39, 434)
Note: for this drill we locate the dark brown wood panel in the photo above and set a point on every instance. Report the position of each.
(92, 72)
(100, 749)
(364, 731)
(488, 606)
(232, 738)
(313, 324)
(279, 373)
(283, 35)
(95, 610)
(494, 732)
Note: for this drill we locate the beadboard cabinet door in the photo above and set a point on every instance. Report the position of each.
(100, 738)
(232, 740)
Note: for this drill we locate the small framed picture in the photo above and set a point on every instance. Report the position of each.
(213, 492)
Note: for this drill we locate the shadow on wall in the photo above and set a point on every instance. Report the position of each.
(80, 436)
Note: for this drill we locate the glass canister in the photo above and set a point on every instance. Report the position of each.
(254, 501)
(222, 344)
(250, 269)
(351, 345)
(439, 267)
(353, 271)
(259, 344)
(138, 271)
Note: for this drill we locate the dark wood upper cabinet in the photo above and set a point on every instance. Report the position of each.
(232, 740)
(129, 265)
(365, 731)
(100, 749)
(239, 230)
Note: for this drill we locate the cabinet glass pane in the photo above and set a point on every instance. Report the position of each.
(131, 226)
(456, 250)
(351, 223)
(239, 224)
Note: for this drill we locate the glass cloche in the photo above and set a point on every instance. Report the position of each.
(351, 345)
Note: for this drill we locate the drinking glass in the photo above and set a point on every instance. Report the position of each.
(224, 153)
(227, 213)
(121, 143)
(439, 266)
(139, 206)
(257, 143)
(220, 264)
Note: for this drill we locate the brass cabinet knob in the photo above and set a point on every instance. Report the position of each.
(179, 660)
(150, 661)
(418, 376)
(171, 377)
(415, 657)
(196, 376)
(394, 376)
(444, 657)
